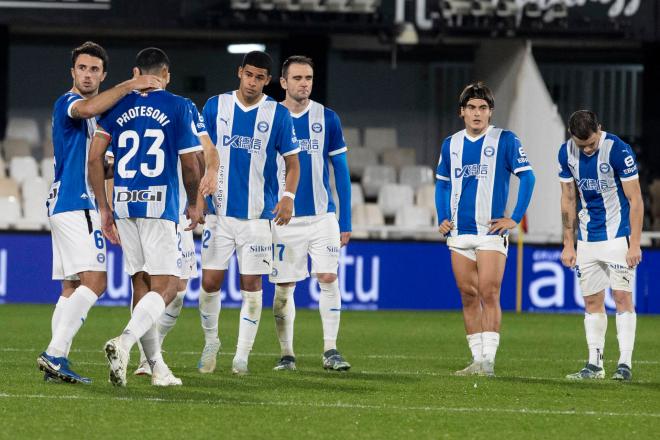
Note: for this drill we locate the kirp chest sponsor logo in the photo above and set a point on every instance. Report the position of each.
(472, 170)
(248, 143)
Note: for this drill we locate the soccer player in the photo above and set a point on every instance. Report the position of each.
(249, 129)
(207, 186)
(610, 213)
(314, 229)
(79, 251)
(471, 194)
(149, 133)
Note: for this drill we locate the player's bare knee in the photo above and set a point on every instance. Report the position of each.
(181, 285)
(623, 301)
(251, 283)
(326, 277)
(96, 281)
(595, 303)
(212, 280)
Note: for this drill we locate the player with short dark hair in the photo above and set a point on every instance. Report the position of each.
(471, 194)
(314, 229)
(149, 134)
(610, 213)
(249, 129)
(79, 251)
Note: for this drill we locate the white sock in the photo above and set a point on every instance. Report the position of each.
(73, 315)
(209, 311)
(476, 345)
(151, 345)
(145, 314)
(171, 313)
(249, 324)
(595, 327)
(57, 315)
(330, 310)
(490, 340)
(626, 324)
(284, 310)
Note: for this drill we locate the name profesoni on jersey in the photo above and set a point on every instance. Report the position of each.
(143, 110)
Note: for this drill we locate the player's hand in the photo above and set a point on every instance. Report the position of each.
(501, 225)
(344, 238)
(192, 214)
(108, 226)
(283, 211)
(209, 183)
(146, 82)
(634, 256)
(568, 256)
(445, 227)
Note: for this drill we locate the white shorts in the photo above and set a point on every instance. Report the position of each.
(602, 264)
(78, 244)
(468, 244)
(150, 245)
(251, 239)
(316, 236)
(187, 247)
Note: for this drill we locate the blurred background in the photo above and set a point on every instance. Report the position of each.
(392, 70)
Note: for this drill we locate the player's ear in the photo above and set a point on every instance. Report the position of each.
(268, 79)
(240, 72)
(103, 76)
(73, 74)
(136, 72)
(283, 83)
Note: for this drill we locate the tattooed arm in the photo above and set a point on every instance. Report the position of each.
(569, 222)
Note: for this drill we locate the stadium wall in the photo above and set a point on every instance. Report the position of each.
(374, 275)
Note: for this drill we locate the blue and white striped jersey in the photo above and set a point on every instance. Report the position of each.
(603, 209)
(70, 190)
(320, 136)
(248, 140)
(479, 170)
(148, 132)
(198, 129)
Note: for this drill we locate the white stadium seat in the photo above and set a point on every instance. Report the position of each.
(16, 148)
(10, 212)
(35, 214)
(352, 137)
(265, 5)
(359, 159)
(24, 128)
(399, 157)
(336, 5)
(3, 168)
(380, 137)
(425, 196)
(23, 167)
(368, 214)
(365, 6)
(8, 187)
(416, 176)
(357, 196)
(483, 8)
(48, 168)
(35, 188)
(412, 216)
(312, 5)
(393, 197)
(241, 4)
(288, 5)
(455, 10)
(375, 176)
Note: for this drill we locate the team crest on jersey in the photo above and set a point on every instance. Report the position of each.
(317, 127)
(604, 168)
(489, 151)
(263, 126)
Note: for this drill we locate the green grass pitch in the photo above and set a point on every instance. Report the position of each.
(400, 385)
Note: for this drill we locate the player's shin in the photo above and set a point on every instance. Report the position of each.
(150, 342)
(145, 315)
(330, 310)
(595, 327)
(249, 322)
(209, 311)
(475, 342)
(73, 314)
(626, 325)
(170, 315)
(284, 310)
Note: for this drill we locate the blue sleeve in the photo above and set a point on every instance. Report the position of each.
(106, 123)
(623, 161)
(186, 141)
(70, 100)
(287, 143)
(343, 182)
(210, 118)
(336, 142)
(442, 171)
(517, 160)
(527, 181)
(565, 173)
(198, 121)
(442, 197)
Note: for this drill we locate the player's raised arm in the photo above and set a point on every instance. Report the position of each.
(569, 222)
(634, 195)
(190, 173)
(95, 164)
(87, 108)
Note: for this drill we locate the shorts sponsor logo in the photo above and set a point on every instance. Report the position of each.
(258, 248)
(144, 195)
(332, 249)
(263, 126)
(100, 257)
(489, 151)
(317, 127)
(604, 168)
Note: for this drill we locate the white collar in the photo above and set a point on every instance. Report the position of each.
(475, 139)
(250, 108)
